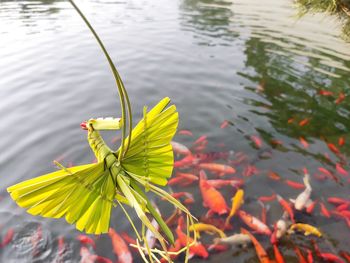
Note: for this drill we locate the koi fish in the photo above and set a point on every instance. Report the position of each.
(333, 148)
(304, 197)
(260, 251)
(86, 255)
(180, 148)
(197, 248)
(86, 240)
(341, 141)
(188, 176)
(267, 198)
(254, 223)
(218, 168)
(224, 124)
(61, 248)
(304, 122)
(294, 185)
(329, 257)
(237, 202)
(7, 238)
(341, 170)
(300, 255)
(340, 98)
(308, 229)
(278, 256)
(218, 183)
(249, 170)
(303, 142)
(200, 227)
(325, 93)
(234, 240)
(324, 210)
(337, 200)
(282, 226)
(286, 206)
(263, 211)
(310, 258)
(274, 176)
(120, 248)
(201, 139)
(311, 207)
(185, 132)
(212, 198)
(257, 141)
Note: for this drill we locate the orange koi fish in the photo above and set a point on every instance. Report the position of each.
(337, 200)
(286, 206)
(257, 141)
(196, 249)
(120, 248)
(341, 141)
(340, 98)
(260, 251)
(254, 223)
(278, 256)
(304, 122)
(180, 148)
(218, 168)
(295, 185)
(185, 132)
(311, 207)
(303, 142)
(212, 198)
(237, 202)
(274, 176)
(333, 148)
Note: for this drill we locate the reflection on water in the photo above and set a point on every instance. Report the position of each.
(269, 75)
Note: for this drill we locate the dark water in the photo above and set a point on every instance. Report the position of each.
(247, 62)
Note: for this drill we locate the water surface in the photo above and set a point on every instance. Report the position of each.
(250, 63)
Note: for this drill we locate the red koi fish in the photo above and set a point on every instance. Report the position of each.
(273, 238)
(310, 208)
(337, 200)
(328, 173)
(197, 249)
(84, 240)
(341, 141)
(200, 140)
(329, 257)
(333, 148)
(175, 248)
(212, 198)
(120, 248)
(260, 251)
(218, 183)
(300, 255)
(294, 185)
(286, 207)
(341, 170)
(264, 210)
(180, 148)
(249, 170)
(254, 223)
(310, 258)
(86, 256)
(304, 122)
(7, 238)
(340, 98)
(218, 168)
(256, 140)
(278, 256)
(61, 249)
(224, 124)
(325, 93)
(345, 255)
(187, 176)
(343, 207)
(185, 132)
(186, 161)
(324, 210)
(267, 198)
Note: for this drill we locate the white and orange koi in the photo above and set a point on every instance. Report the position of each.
(254, 223)
(218, 168)
(234, 240)
(304, 197)
(180, 148)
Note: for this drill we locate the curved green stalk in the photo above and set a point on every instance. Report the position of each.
(123, 95)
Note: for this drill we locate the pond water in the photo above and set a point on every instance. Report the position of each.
(248, 62)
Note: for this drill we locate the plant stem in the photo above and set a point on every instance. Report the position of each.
(123, 95)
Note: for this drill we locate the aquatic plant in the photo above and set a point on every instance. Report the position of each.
(85, 194)
(339, 8)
